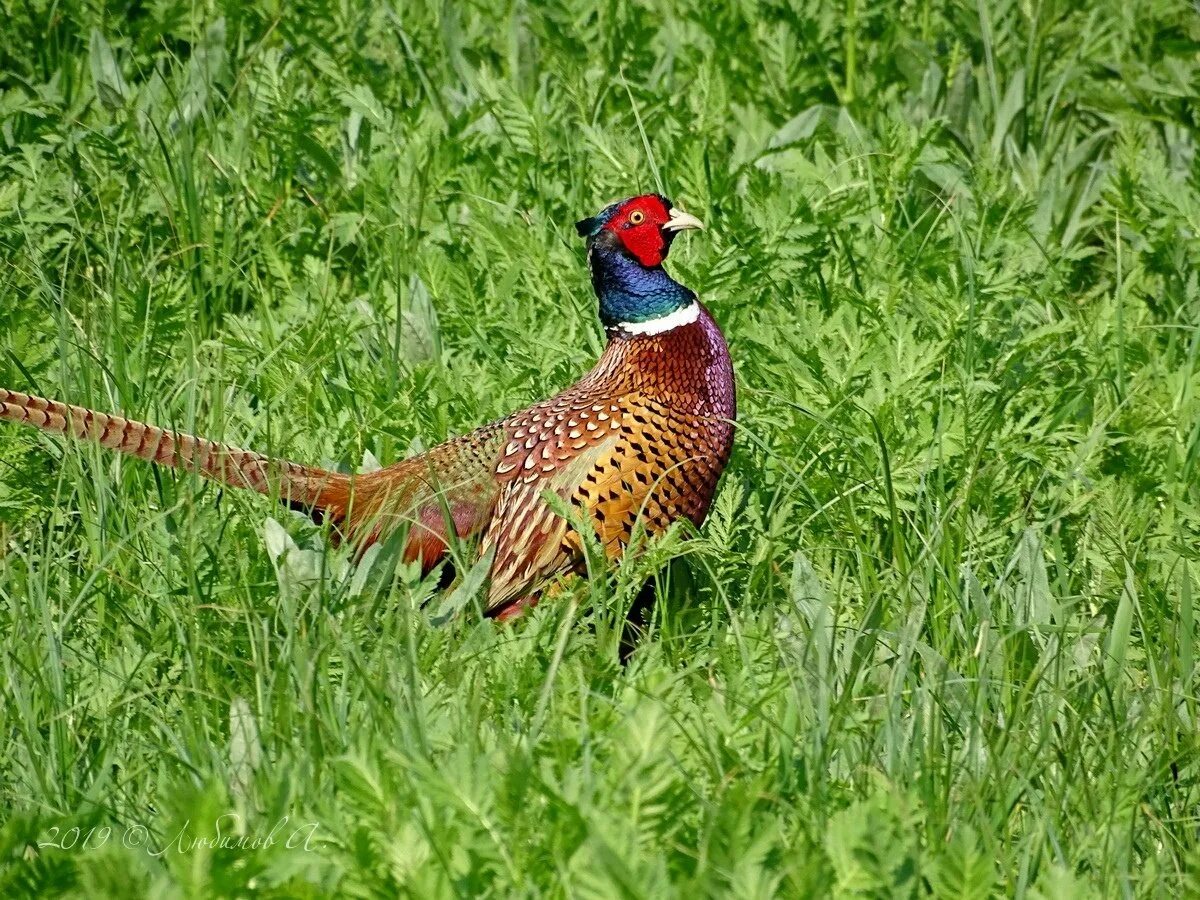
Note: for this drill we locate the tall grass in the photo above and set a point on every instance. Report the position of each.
(939, 634)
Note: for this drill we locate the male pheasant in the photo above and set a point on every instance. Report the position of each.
(645, 434)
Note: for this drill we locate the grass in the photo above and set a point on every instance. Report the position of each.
(938, 637)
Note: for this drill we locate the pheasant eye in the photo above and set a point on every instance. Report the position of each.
(637, 217)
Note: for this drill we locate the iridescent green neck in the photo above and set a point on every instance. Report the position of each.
(631, 293)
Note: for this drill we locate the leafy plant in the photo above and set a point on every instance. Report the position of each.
(938, 635)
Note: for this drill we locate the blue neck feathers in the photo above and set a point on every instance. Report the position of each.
(630, 292)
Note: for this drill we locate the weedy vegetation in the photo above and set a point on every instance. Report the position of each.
(938, 637)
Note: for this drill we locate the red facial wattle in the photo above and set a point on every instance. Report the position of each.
(646, 244)
(639, 227)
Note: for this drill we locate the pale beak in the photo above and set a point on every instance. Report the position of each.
(681, 221)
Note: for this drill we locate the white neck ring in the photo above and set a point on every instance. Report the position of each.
(677, 319)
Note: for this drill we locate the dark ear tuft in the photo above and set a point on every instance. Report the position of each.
(586, 227)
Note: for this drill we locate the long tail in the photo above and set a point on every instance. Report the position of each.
(326, 494)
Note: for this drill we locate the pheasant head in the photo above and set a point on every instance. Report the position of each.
(627, 243)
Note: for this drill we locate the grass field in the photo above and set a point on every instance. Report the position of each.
(938, 637)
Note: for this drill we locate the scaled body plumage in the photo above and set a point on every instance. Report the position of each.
(644, 435)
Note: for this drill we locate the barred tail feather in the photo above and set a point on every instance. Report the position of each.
(319, 490)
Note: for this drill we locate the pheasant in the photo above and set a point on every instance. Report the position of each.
(644, 435)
